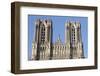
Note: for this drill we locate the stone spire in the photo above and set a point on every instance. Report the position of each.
(58, 39)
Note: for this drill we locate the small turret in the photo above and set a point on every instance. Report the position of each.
(37, 22)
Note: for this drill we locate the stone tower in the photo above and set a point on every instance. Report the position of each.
(44, 49)
(43, 39)
(73, 39)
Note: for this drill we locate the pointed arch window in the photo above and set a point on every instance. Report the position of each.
(42, 33)
(73, 35)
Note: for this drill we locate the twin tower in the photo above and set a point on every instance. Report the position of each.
(44, 49)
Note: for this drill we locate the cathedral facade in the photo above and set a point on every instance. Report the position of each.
(44, 49)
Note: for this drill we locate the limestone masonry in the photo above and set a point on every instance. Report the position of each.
(44, 49)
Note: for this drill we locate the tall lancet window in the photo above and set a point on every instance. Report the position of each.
(42, 33)
(73, 36)
(78, 33)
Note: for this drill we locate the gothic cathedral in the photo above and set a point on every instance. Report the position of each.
(44, 49)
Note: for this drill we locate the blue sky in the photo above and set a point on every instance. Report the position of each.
(58, 29)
